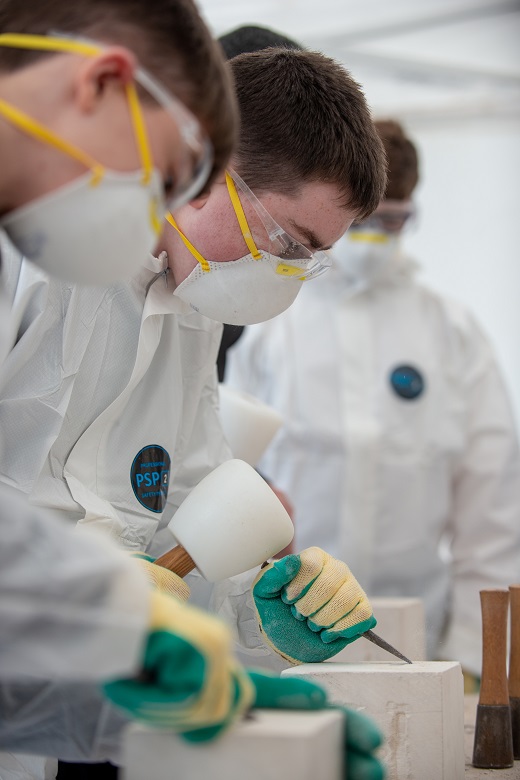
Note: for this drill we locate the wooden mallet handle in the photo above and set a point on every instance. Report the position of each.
(177, 560)
(493, 686)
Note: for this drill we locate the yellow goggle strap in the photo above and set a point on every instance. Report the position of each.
(241, 217)
(24, 122)
(189, 246)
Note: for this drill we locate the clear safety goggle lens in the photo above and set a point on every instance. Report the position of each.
(291, 259)
(391, 217)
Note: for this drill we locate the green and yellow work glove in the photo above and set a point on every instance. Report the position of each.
(310, 606)
(189, 679)
(163, 579)
(361, 736)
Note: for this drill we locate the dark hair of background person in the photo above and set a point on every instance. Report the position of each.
(403, 163)
(250, 38)
(239, 41)
(169, 38)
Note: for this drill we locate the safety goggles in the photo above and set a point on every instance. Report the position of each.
(195, 157)
(291, 258)
(391, 216)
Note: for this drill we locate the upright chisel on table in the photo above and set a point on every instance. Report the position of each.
(493, 746)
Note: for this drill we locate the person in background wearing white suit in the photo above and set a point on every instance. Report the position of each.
(399, 449)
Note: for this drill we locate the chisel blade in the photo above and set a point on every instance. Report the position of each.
(381, 643)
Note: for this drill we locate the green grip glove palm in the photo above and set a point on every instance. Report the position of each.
(190, 679)
(310, 606)
(361, 736)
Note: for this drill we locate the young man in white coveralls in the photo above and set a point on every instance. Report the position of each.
(85, 98)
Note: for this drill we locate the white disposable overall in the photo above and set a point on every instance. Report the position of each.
(72, 608)
(377, 478)
(108, 405)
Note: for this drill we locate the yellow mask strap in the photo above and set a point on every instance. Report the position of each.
(34, 128)
(31, 126)
(48, 43)
(189, 246)
(141, 136)
(242, 221)
(368, 238)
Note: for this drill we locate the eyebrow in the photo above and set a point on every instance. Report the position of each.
(310, 237)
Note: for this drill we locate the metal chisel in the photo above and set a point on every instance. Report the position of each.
(381, 643)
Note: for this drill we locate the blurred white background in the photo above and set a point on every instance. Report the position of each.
(449, 70)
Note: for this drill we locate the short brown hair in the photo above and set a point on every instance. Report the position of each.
(403, 163)
(303, 118)
(169, 38)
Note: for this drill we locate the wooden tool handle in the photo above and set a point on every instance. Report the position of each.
(514, 651)
(493, 688)
(177, 560)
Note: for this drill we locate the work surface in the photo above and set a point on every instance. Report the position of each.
(470, 712)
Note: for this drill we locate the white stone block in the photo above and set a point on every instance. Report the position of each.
(269, 745)
(401, 622)
(419, 707)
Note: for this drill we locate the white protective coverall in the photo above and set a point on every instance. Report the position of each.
(377, 479)
(103, 385)
(72, 608)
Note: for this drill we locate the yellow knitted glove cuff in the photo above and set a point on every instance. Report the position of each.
(165, 581)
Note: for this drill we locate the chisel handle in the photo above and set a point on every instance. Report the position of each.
(177, 560)
(493, 687)
(514, 648)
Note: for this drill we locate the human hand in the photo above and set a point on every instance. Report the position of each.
(163, 579)
(361, 735)
(310, 606)
(362, 738)
(190, 680)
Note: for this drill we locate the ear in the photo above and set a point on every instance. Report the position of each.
(114, 66)
(200, 201)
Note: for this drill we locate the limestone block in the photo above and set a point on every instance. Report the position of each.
(268, 745)
(419, 707)
(401, 622)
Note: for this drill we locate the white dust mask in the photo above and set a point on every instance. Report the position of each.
(365, 258)
(90, 234)
(239, 292)
(98, 228)
(257, 286)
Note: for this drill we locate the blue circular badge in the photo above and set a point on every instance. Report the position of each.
(407, 382)
(150, 477)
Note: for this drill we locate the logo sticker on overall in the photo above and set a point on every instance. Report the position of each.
(407, 382)
(150, 477)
